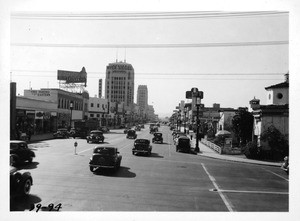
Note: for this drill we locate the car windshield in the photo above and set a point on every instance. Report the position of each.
(96, 133)
(142, 141)
(157, 135)
(184, 141)
(105, 151)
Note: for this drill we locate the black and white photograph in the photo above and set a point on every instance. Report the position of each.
(127, 111)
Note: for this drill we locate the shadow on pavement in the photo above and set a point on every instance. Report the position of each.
(38, 144)
(23, 203)
(121, 172)
(28, 166)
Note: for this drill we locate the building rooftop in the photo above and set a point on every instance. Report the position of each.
(280, 85)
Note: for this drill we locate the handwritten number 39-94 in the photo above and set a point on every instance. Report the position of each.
(50, 207)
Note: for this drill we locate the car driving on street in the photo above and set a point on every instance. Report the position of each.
(105, 157)
(131, 134)
(61, 133)
(183, 144)
(142, 146)
(157, 138)
(96, 136)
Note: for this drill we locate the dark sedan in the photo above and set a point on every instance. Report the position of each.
(96, 136)
(157, 138)
(131, 134)
(105, 157)
(19, 152)
(142, 146)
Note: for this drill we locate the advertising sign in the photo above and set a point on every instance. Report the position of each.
(72, 76)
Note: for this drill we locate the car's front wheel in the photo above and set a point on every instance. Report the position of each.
(26, 186)
(91, 169)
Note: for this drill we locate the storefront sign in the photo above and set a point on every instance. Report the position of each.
(41, 93)
(39, 114)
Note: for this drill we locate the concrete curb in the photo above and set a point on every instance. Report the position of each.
(263, 163)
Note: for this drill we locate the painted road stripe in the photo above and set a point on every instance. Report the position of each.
(277, 174)
(248, 191)
(224, 198)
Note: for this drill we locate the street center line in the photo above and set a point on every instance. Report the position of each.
(224, 198)
(276, 174)
(249, 191)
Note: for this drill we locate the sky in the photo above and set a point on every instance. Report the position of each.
(230, 57)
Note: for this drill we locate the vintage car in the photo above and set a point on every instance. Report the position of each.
(183, 144)
(142, 146)
(177, 135)
(96, 136)
(126, 130)
(20, 183)
(61, 133)
(105, 157)
(157, 138)
(20, 153)
(137, 128)
(285, 165)
(131, 134)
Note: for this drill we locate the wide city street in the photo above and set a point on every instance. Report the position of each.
(165, 181)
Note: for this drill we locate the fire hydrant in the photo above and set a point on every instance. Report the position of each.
(75, 145)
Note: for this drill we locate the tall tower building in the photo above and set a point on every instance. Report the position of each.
(100, 88)
(119, 83)
(142, 98)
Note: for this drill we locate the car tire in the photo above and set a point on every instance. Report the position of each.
(91, 169)
(132, 152)
(25, 187)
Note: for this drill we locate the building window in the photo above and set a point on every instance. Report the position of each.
(269, 96)
(279, 96)
(92, 115)
(98, 105)
(98, 115)
(92, 104)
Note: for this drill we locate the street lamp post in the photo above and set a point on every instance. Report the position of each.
(71, 108)
(198, 103)
(185, 120)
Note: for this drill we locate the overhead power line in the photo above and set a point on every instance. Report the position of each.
(192, 45)
(139, 15)
(139, 73)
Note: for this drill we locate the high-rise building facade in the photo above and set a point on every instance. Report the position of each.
(142, 98)
(119, 83)
(100, 89)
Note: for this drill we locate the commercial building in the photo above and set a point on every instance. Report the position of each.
(119, 83)
(142, 99)
(98, 110)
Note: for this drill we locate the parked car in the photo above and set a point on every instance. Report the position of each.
(131, 134)
(105, 157)
(61, 133)
(104, 129)
(177, 135)
(96, 136)
(285, 165)
(142, 146)
(183, 144)
(20, 153)
(20, 183)
(157, 138)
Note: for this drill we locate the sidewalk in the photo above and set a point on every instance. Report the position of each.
(40, 137)
(208, 152)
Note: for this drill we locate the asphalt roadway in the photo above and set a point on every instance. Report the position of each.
(165, 181)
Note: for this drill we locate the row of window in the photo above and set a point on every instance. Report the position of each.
(98, 105)
(64, 103)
